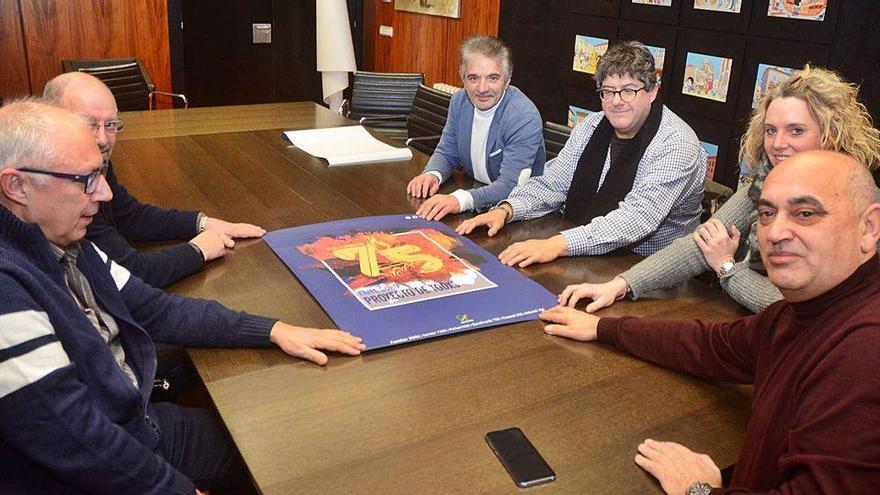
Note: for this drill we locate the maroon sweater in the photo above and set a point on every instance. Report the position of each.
(815, 366)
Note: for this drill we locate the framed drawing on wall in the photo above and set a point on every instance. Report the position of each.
(661, 43)
(589, 38)
(604, 8)
(721, 15)
(768, 62)
(582, 103)
(707, 72)
(801, 20)
(664, 11)
(715, 138)
(444, 8)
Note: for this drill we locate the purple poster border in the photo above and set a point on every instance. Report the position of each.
(514, 298)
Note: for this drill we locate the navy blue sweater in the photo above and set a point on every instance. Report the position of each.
(124, 219)
(70, 420)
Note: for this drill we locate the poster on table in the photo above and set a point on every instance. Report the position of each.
(396, 279)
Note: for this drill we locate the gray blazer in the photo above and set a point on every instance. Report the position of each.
(515, 143)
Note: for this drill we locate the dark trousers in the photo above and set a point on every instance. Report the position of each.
(197, 445)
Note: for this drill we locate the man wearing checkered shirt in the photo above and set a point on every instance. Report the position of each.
(630, 176)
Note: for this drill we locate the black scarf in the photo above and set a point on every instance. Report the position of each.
(584, 201)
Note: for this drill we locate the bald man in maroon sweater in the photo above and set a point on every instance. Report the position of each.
(812, 357)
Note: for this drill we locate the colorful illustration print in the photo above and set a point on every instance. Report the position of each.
(706, 76)
(659, 54)
(807, 10)
(384, 270)
(730, 6)
(712, 151)
(576, 115)
(769, 76)
(587, 52)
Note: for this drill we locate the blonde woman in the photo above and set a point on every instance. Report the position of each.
(815, 109)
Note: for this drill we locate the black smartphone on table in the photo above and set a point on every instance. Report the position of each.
(519, 457)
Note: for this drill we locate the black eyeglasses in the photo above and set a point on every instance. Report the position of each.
(110, 126)
(627, 95)
(89, 182)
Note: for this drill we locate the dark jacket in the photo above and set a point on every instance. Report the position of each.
(124, 219)
(70, 420)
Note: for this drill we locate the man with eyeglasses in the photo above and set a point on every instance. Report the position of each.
(77, 359)
(630, 176)
(124, 218)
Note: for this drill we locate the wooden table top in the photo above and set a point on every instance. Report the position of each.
(409, 418)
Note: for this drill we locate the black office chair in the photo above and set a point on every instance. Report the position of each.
(382, 101)
(555, 137)
(127, 79)
(425, 122)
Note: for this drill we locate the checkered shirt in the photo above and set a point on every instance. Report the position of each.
(664, 202)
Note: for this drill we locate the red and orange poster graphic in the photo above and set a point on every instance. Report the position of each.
(385, 269)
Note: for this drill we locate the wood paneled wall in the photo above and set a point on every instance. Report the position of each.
(13, 61)
(424, 43)
(52, 30)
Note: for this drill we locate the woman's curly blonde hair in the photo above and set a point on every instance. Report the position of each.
(844, 122)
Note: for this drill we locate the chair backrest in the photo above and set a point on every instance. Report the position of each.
(383, 94)
(714, 195)
(427, 118)
(127, 79)
(555, 137)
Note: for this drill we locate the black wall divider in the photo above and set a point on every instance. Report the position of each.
(543, 41)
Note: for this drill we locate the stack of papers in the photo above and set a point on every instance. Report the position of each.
(346, 145)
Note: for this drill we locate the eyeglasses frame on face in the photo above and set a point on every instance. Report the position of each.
(110, 126)
(620, 93)
(89, 180)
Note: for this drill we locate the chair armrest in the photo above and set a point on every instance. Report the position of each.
(379, 118)
(422, 138)
(165, 93)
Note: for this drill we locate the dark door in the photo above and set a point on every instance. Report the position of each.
(222, 65)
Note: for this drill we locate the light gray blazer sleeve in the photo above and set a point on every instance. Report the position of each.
(683, 259)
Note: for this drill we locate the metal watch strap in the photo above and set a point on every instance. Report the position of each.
(726, 268)
(698, 488)
(201, 222)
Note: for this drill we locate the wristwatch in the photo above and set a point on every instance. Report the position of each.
(698, 488)
(201, 222)
(508, 209)
(726, 267)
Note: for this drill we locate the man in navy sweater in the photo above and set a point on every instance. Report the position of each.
(124, 218)
(77, 359)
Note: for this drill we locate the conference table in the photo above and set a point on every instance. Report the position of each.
(411, 418)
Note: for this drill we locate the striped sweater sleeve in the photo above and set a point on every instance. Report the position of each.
(46, 414)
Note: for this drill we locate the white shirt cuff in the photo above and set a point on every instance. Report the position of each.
(465, 200)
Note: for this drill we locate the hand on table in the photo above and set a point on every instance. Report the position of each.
(438, 206)
(212, 244)
(716, 243)
(304, 342)
(570, 323)
(675, 466)
(493, 219)
(423, 186)
(233, 230)
(525, 253)
(603, 295)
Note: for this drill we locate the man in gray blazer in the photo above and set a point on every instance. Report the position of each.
(493, 131)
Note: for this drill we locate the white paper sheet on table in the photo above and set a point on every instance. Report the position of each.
(347, 145)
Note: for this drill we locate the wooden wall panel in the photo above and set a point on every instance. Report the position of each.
(423, 43)
(91, 29)
(14, 72)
